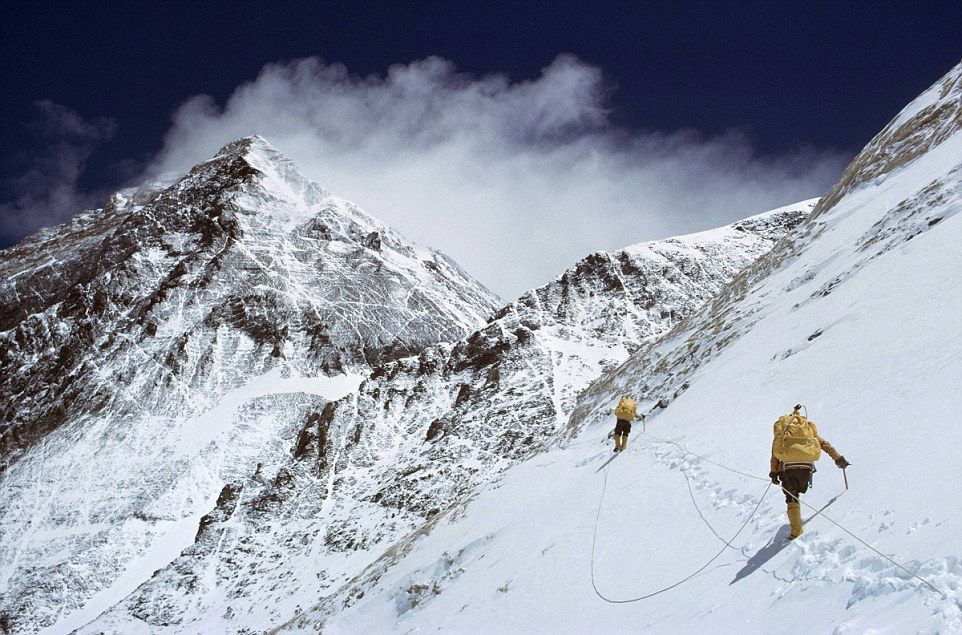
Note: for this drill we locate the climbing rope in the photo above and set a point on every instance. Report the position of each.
(915, 575)
(694, 503)
(707, 460)
(818, 512)
(594, 539)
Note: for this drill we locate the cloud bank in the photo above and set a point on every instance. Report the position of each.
(46, 192)
(515, 180)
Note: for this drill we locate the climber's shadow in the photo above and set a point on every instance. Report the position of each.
(774, 546)
(605, 464)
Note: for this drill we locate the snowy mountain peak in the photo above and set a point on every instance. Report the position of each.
(254, 150)
(269, 165)
(259, 180)
(248, 145)
(172, 341)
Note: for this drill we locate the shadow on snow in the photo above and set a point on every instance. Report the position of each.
(774, 546)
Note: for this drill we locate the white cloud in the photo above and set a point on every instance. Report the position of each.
(515, 180)
(46, 193)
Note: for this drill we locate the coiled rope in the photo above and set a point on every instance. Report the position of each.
(728, 543)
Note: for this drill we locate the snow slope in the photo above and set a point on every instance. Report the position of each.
(175, 340)
(422, 431)
(858, 315)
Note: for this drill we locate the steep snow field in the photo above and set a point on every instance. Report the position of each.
(239, 431)
(858, 316)
(213, 428)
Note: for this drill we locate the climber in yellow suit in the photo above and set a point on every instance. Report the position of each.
(795, 449)
(625, 412)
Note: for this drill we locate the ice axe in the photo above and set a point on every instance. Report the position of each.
(845, 476)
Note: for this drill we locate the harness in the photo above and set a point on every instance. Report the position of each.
(801, 465)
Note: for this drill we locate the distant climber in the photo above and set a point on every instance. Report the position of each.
(626, 412)
(795, 449)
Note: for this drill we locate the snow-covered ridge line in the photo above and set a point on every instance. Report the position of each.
(927, 121)
(773, 224)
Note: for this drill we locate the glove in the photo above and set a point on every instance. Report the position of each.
(774, 477)
(841, 462)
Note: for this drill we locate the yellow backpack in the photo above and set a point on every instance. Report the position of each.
(626, 409)
(796, 440)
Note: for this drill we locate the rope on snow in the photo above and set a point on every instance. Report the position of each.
(728, 543)
(679, 582)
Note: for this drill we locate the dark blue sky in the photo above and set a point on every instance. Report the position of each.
(827, 75)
